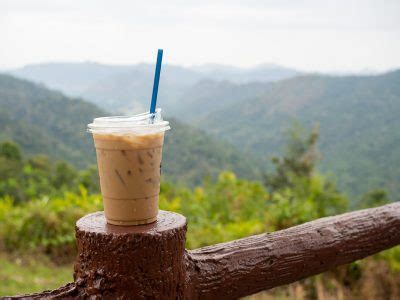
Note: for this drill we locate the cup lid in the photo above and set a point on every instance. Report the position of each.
(144, 123)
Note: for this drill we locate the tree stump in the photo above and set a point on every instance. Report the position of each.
(118, 261)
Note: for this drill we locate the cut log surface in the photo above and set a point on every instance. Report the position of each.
(150, 261)
(246, 266)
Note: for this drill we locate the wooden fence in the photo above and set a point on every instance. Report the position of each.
(150, 261)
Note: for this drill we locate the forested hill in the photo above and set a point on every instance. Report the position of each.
(359, 118)
(46, 122)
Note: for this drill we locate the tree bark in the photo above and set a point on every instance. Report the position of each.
(149, 261)
(118, 262)
(247, 266)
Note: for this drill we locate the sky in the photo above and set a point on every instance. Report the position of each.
(309, 35)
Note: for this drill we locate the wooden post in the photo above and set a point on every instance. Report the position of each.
(146, 261)
(150, 261)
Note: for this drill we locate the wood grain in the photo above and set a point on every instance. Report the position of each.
(246, 266)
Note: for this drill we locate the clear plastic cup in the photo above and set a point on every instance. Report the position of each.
(129, 153)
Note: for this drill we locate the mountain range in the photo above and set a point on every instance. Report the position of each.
(127, 89)
(358, 115)
(359, 119)
(47, 122)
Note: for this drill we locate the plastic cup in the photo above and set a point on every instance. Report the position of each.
(129, 153)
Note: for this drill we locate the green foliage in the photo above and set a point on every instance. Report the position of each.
(190, 155)
(374, 198)
(22, 180)
(307, 200)
(89, 179)
(10, 151)
(298, 162)
(298, 191)
(228, 209)
(46, 223)
(393, 257)
(223, 210)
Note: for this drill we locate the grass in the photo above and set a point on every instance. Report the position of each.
(30, 274)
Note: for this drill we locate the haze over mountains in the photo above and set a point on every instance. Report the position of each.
(358, 115)
(127, 89)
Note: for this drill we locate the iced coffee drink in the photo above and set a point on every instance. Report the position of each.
(129, 151)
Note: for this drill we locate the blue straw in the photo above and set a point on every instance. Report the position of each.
(156, 81)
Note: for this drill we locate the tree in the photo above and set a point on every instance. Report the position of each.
(10, 151)
(89, 179)
(298, 192)
(64, 176)
(374, 198)
(10, 160)
(299, 160)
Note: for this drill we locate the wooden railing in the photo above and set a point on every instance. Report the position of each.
(150, 261)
